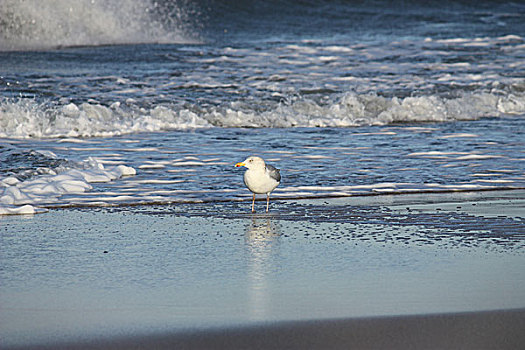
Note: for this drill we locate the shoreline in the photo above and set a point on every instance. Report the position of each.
(42, 209)
(499, 329)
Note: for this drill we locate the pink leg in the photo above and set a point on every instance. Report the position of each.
(253, 204)
(267, 201)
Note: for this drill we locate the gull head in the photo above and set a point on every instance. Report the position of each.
(252, 162)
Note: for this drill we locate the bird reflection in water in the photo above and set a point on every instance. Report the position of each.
(262, 244)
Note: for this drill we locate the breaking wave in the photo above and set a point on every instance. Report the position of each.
(35, 24)
(26, 118)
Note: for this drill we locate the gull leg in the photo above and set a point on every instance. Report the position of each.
(267, 201)
(253, 204)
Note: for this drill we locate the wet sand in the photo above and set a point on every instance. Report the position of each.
(396, 272)
(481, 330)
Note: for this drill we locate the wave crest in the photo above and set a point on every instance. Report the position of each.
(352, 109)
(26, 118)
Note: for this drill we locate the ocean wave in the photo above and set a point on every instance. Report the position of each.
(29, 119)
(26, 118)
(35, 25)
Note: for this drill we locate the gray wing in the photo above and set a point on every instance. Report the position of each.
(273, 172)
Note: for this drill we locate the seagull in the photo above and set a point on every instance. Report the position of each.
(260, 178)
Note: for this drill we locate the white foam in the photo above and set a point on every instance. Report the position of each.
(22, 210)
(477, 156)
(479, 41)
(458, 135)
(495, 181)
(15, 195)
(152, 166)
(434, 153)
(486, 175)
(9, 181)
(381, 188)
(25, 118)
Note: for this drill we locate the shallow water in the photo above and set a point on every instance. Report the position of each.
(153, 269)
(178, 167)
(347, 98)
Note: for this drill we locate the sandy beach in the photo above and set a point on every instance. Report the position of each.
(481, 330)
(363, 272)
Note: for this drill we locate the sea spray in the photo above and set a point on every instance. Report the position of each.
(34, 24)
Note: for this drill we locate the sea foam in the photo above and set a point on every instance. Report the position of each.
(23, 197)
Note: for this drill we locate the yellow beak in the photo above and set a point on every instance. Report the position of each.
(239, 164)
